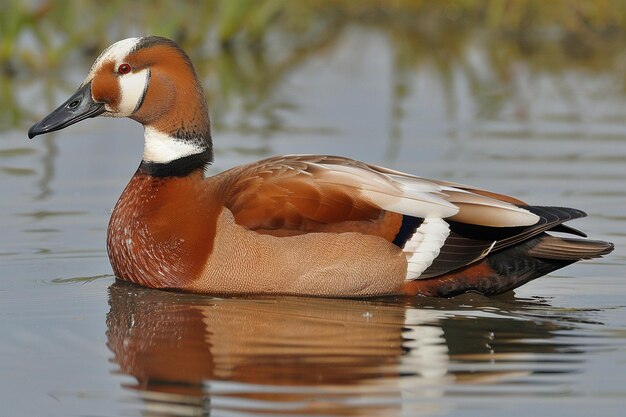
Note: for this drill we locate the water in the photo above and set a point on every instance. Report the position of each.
(76, 343)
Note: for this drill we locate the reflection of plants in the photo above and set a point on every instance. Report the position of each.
(243, 48)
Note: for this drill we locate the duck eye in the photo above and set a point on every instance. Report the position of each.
(124, 69)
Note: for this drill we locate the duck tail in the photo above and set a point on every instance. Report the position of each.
(511, 267)
(564, 249)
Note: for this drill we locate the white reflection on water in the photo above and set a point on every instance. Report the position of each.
(277, 354)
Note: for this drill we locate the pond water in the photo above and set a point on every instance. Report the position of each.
(76, 343)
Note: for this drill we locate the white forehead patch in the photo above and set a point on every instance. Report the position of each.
(115, 53)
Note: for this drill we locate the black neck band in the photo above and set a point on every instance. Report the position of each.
(180, 167)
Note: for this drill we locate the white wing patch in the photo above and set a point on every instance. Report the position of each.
(487, 211)
(406, 195)
(424, 246)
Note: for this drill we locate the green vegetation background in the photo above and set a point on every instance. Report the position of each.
(243, 48)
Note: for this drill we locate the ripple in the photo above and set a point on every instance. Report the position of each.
(13, 152)
(18, 172)
(43, 214)
(74, 280)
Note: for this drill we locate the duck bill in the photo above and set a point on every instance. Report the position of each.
(78, 107)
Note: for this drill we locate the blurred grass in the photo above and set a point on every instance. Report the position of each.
(244, 48)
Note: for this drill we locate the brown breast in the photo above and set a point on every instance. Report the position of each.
(175, 232)
(162, 229)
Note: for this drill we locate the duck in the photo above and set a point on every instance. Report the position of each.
(301, 225)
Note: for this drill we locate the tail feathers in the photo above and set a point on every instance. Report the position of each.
(569, 249)
(510, 267)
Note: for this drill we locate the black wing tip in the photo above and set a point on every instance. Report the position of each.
(562, 228)
(564, 213)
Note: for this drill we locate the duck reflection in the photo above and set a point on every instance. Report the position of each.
(193, 354)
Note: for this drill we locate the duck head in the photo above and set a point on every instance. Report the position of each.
(150, 80)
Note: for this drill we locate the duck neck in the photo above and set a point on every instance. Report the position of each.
(176, 153)
(177, 128)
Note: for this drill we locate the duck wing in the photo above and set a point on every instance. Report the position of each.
(297, 194)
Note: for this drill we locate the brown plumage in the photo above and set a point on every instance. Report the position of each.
(301, 224)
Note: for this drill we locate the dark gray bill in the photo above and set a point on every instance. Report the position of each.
(78, 107)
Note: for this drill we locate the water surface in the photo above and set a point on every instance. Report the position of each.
(76, 343)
